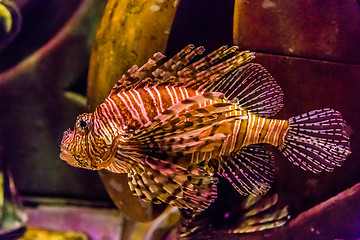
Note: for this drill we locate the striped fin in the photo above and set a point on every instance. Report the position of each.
(168, 117)
(253, 214)
(136, 76)
(250, 170)
(199, 130)
(210, 68)
(317, 140)
(262, 213)
(179, 71)
(200, 118)
(152, 73)
(207, 61)
(253, 87)
(186, 104)
(196, 226)
(168, 72)
(159, 181)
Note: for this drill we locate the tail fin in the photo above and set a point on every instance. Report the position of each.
(317, 140)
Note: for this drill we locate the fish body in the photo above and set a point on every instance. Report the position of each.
(127, 111)
(173, 127)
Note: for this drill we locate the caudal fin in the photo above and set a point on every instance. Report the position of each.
(317, 140)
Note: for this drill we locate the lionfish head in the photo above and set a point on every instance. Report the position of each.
(76, 148)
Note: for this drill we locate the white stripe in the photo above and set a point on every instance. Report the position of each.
(176, 97)
(153, 98)
(248, 130)
(105, 133)
(133, 107)
(109, 120)
(235, 134)
(224, 145)
(91, 143)
(159, 97)
(141, 105)
(269, 131)
(278, 130)
(197, 93)
(186, 93)
(96, 124)
(116, 111)
(169, 92)
(182, 93)
(259, 127)
(133, 111)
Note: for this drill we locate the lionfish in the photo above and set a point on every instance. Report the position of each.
(176, 126)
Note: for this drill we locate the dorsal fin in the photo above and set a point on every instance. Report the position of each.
(135, 75)
(154, 73)
(253, 87)
(211, 68)
(178, 71)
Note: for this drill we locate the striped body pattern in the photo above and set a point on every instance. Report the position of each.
(175, 126)
(132, 109)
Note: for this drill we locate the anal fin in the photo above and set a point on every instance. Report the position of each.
(250, 170)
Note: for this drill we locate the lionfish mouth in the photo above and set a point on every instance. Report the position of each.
(66, 156)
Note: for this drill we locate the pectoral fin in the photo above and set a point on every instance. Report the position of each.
(158, 181)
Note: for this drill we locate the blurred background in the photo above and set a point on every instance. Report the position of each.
(311, 48)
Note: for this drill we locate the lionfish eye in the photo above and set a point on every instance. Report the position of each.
(83, 124)
(83, 121)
